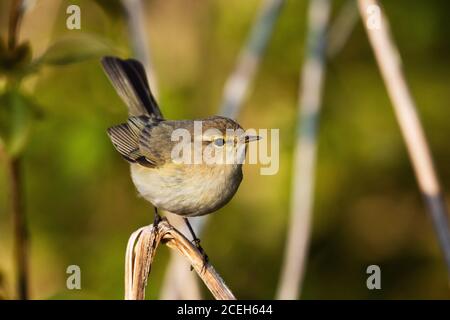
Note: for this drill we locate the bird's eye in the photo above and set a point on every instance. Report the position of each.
(219, 142)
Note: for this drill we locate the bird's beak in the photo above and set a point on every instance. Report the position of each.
(251, 138)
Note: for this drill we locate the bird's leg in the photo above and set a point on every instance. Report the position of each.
(157, 218)
(196, 242)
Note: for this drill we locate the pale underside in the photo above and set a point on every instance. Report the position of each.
(187, 190)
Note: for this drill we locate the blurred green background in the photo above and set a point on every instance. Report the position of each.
(82, 206)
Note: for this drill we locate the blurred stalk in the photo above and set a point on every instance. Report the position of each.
(21, 235)
(179, 282)
(312, 78)
(238, 83)
(341, 28)
(13, 165)
(15, 18)
(137, 32)
(178, 275)
(235, 90)
(389, 62)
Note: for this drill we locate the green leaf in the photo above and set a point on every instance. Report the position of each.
(17, 113)
(74, 49)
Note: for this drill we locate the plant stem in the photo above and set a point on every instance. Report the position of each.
(140, 253)
(238, 83)
(302, 194)
(20, 225)
(15, 178)
(389, 63)
(15, 17)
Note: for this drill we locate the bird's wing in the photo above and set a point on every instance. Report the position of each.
(126, 139)
(130, 81)
(155, 142)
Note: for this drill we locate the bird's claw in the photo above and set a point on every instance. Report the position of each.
(196, 242)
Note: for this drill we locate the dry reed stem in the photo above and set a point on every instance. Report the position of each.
(238, 83)
(389, 62)
(302, 193)
(139, 257)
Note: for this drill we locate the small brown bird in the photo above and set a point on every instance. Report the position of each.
(147, 142)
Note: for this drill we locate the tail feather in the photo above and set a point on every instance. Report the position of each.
(130, 81)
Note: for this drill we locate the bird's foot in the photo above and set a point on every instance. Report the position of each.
(196, 242)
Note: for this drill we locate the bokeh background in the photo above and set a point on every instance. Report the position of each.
(82, 206)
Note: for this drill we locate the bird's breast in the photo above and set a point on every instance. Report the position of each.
(188, 190)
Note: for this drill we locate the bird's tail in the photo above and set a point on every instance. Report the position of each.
(129, 79)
